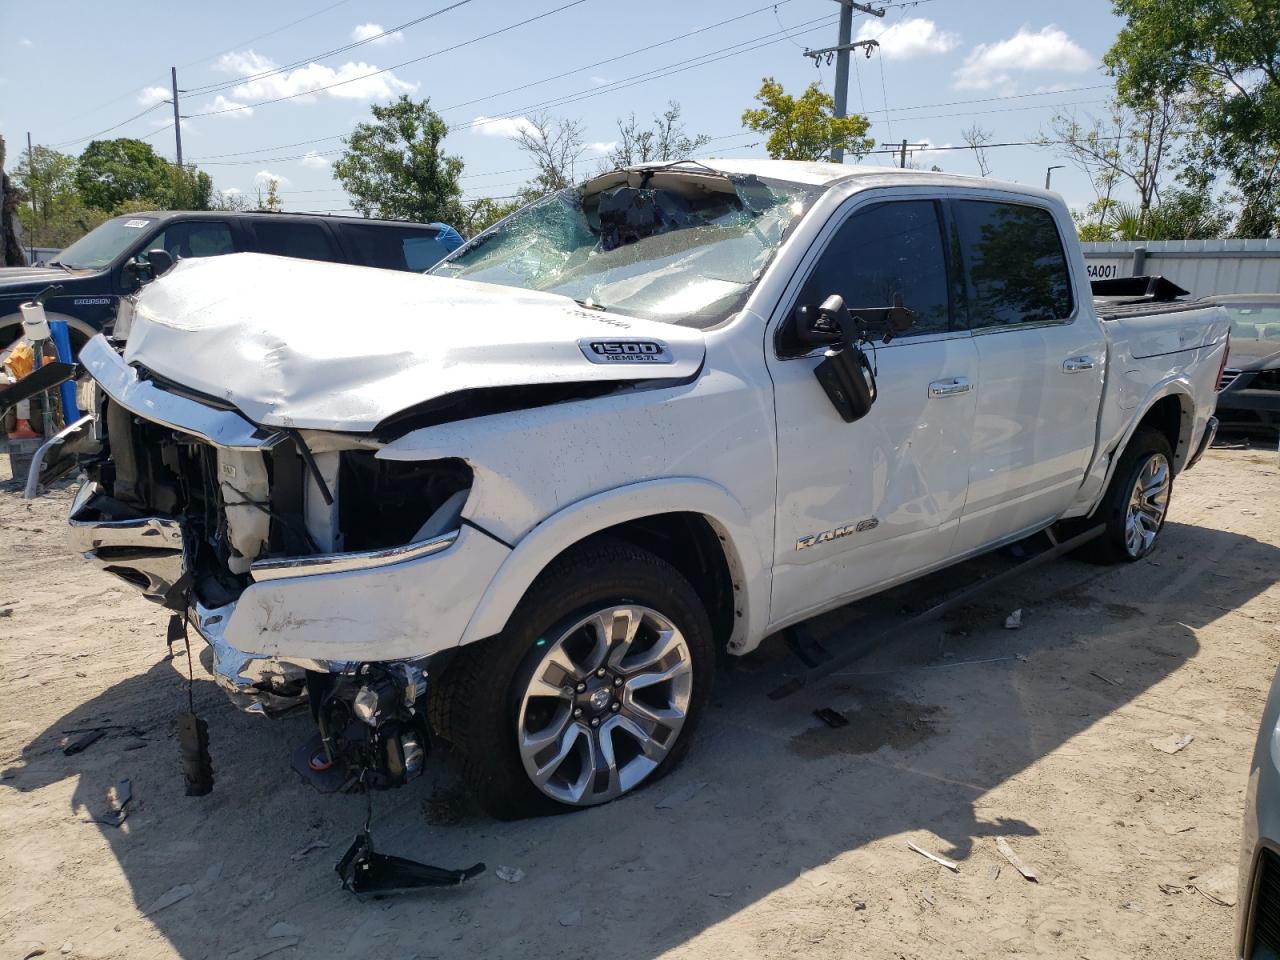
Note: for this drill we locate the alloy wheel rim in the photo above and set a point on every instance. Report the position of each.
(605, 704)
(1148, 501)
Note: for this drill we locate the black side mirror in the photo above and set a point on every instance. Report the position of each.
(822, 325)
(161, 261)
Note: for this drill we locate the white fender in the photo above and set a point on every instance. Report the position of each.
(601, 511)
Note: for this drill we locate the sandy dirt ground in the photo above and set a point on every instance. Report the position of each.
(778, 837)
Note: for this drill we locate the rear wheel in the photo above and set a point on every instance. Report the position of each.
(593, 690)
(1136, 503)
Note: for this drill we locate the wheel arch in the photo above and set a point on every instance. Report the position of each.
(1174, 416)
(693, 524)
(80, 331)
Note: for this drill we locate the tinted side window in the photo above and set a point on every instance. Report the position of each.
(392, 248)
(886, 249)
(195, 238)
(1016, 265)
(305, 240)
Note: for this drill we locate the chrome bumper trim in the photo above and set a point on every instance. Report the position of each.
(222, 428)
(73, 431)
(256, 683)
(148, 552)
(278, 569)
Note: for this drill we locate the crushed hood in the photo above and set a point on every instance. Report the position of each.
(298, 343)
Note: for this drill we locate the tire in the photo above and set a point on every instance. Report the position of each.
(569, 685)
(1133, 519)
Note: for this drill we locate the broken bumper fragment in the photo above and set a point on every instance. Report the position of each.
(150, 553)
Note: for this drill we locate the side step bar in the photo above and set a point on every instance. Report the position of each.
(824, 669)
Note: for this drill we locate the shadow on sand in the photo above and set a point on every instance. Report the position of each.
(939, 718)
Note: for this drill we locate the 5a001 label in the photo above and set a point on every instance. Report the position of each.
(625, 351)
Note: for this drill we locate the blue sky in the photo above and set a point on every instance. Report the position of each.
(942, 65)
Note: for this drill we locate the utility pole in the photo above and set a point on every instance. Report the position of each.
(841, 50)
(902, 160)
(1048, 174)
(177, 120)
(35, 214)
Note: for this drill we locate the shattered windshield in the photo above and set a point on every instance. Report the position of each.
(687, 250)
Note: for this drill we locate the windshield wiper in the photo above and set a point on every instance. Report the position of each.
(590, 304)
(59, 263)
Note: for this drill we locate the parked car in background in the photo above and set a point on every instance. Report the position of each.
(1249, 394)
(1258, 931)
(103, 265)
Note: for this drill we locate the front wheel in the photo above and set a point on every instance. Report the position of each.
(593, 690)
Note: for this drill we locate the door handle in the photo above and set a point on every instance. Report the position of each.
(1077, 364)
(951, 387)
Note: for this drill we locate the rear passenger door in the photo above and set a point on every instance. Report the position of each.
(1040, 370)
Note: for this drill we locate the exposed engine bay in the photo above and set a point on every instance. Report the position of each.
(193, 525)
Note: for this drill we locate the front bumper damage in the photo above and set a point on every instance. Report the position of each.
(239, 530)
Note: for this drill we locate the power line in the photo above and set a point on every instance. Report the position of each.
(1008, 96)
(657, 73)
(93, 136)
(603, 89)
(558, 76)
(269, 33)
(225, 84)
(260, 36)
(396, 66)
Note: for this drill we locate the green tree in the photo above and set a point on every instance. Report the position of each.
(272, 202)
(664, 139)
(1134, 146)
(59, 216)
(111, 172)
(805, 128)
(396, 168)
(189, 189)
(481, 214)
(1222, 58)
(554, 146)
(48, 178)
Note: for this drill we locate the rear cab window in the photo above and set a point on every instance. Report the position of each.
(1015, 264)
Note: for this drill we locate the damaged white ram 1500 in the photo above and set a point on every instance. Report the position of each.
(520, 503)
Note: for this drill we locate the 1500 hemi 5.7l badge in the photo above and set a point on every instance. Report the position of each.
(625, 351)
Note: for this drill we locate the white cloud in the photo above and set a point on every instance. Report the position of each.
(600, 147)
(263, 179)
(314, 161)
(994, 64)
(26, 42)
(229, 109)
(913, 37)
(367, 31)
(150, 96)
(501, 126)
(599, 80)
(231, 191)
(351, 81)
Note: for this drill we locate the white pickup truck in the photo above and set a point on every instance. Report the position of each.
(522, 503)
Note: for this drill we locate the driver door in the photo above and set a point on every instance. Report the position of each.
(862, 504)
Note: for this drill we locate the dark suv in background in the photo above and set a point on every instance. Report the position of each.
(103, 265)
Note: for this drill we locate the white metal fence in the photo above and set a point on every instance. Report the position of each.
(1204, 267)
